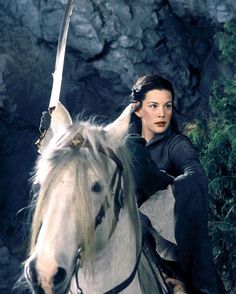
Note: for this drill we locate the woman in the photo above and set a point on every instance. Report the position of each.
(154, 118)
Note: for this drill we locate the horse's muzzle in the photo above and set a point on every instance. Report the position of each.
(31, 275)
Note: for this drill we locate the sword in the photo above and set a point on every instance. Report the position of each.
(59, 63)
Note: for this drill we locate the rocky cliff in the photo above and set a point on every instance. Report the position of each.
(110, 44)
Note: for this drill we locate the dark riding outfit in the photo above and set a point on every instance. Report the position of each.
(174, 153)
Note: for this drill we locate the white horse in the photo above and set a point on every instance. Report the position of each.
(86, 234)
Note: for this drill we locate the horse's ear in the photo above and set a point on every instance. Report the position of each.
(60, 120)
(119, 127)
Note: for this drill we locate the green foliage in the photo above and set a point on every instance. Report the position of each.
(223, 100)
(216, 142)
(199, 135)
(226, 42)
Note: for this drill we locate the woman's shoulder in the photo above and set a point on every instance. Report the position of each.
(133, 138)
(181, 143)
(179, 138)
(183, 154)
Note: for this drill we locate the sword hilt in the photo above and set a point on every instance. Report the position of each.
(43, 133)
(38, 143)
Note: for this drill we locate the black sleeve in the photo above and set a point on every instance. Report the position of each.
(147, 175)
(191, 216)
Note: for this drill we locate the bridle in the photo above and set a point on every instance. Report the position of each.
(115, 187)
(118, 194)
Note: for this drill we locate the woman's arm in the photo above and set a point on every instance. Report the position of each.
(147, 175)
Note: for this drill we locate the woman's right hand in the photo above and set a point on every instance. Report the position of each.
(135, 105)
(177, 286)
(45, 122)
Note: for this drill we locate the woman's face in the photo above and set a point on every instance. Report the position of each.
(155, 113)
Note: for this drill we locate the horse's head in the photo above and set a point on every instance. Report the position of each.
(83, 176)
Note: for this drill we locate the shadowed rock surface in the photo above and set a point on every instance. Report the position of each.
(110, 44)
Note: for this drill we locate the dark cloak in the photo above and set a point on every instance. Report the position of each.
(173, 152)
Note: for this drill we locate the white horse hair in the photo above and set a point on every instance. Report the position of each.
(74, 173)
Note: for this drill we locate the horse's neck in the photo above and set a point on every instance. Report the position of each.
(115, 263)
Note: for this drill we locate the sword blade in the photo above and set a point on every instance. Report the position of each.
(59, 63)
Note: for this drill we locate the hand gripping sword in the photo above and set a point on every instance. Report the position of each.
(59, 63)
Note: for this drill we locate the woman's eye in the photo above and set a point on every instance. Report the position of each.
(96, 187)
(153, 106)
(168, 106)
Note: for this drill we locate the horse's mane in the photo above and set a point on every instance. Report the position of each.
(69, 154)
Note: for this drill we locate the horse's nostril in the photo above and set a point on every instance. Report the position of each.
(31, 277)
(59, 277)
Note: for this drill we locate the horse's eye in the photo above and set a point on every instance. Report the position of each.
(96, 187)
